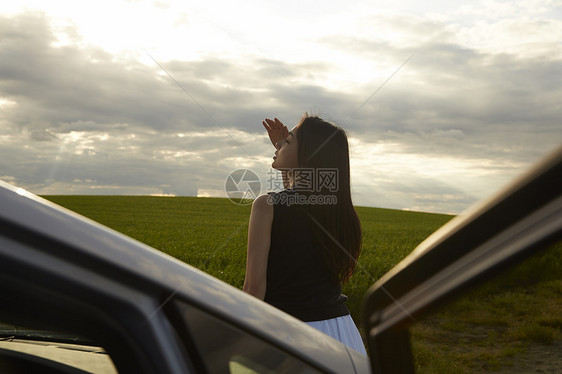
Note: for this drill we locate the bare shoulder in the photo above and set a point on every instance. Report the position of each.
(263, 202)
(262, 205)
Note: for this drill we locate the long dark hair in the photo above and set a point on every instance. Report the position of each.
(323, 146)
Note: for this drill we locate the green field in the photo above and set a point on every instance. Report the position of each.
(484, 331)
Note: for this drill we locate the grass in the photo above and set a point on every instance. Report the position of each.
(483, 331)
(208, 233)
(489, 327)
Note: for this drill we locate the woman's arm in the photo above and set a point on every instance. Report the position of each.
(259, 239)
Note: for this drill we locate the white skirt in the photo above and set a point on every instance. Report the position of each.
(343, 329)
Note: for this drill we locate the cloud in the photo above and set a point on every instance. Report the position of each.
(492, 104)
(454, 124)
(60, 88)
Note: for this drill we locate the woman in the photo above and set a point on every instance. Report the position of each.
(303, 242)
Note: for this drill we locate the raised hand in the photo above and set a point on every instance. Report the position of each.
(276, 130)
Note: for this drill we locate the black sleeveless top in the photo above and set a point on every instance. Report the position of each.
(297, 280)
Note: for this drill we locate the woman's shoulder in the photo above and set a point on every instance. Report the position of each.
(262, 209)
(263, 203)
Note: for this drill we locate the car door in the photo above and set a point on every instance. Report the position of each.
(521, 220)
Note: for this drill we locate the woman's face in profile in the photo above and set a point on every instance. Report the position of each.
(286, 155)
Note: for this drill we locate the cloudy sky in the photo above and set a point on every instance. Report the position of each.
(444, 103)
